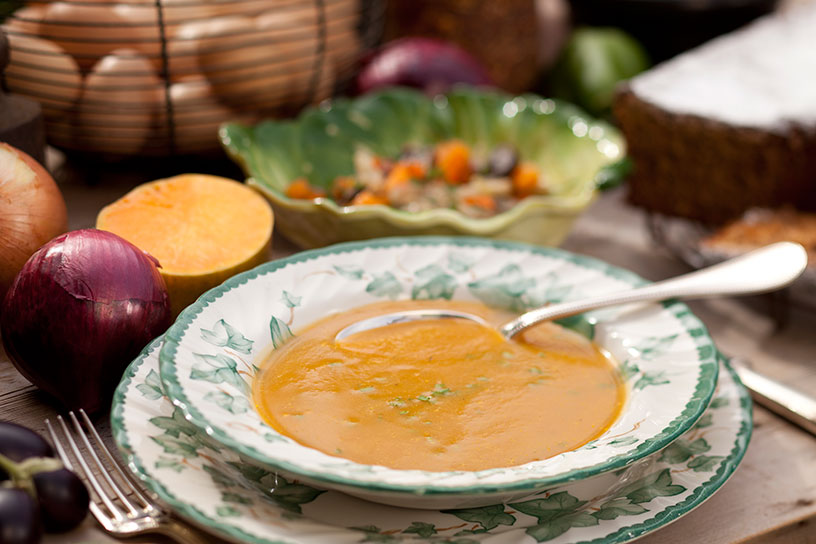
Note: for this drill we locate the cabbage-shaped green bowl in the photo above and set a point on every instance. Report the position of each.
(576, 153)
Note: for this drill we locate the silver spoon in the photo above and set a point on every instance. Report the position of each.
(762, 270)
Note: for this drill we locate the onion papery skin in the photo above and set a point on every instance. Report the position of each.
(82, 307)
(32, 211)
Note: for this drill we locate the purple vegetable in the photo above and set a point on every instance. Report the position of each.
(83, 307)
(425, 63)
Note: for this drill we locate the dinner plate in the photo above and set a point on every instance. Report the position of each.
(213, 487)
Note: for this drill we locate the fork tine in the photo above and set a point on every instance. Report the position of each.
(113, 463)
(115, 511)
(66, 459)
(103, 471)
(140, 520)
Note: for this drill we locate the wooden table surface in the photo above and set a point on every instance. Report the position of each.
(771, 497)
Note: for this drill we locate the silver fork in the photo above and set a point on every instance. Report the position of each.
(116, 501)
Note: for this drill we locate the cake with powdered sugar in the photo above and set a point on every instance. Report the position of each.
(728, 126)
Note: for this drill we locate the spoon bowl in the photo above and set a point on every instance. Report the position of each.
(760, 271)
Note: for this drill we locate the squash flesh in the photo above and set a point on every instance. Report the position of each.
(202, 229)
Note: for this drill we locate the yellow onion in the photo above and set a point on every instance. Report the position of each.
(32, 211)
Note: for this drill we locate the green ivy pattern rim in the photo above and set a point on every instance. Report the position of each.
(341, 472)
(232, 495)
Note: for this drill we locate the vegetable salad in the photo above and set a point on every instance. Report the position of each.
(445, 175)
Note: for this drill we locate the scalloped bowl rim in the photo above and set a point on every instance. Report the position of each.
(567, 205)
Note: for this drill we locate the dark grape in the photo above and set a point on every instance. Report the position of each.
(19, 443)
(63, 499)
(19, 517)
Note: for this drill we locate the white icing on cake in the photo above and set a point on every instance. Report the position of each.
(761, 76)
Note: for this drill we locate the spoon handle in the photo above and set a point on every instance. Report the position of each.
(762, 270)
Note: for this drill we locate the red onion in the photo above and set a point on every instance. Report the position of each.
(83, 306)
(426, 63)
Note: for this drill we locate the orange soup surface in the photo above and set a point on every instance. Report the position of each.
(438, 395)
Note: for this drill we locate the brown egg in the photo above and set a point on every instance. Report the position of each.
(182, 57)
(25, 20)
(180, 54)
(346, 49)
(192, 37)
(342, 44)
(144, 15)
(295, 29)
(244, 64)
(89, 31)
(41, 70)
(177, 12)
(342, 36)
(197, 114)
(119, 102)
(247, 8)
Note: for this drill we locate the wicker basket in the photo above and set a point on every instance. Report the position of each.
(157, 77)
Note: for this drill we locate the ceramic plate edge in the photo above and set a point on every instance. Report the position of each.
(625, 534)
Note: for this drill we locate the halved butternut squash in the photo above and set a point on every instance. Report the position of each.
(202, 229)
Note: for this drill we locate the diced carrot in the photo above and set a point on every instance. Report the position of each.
(486, 202)
(402, 173)
(365, 197)
(300, 188)
(415, 169)
(379, 162)
(398, 175)
(343, 188)
(453, 159)
(525, 179)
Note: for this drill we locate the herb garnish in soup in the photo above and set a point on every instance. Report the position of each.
(438, 395)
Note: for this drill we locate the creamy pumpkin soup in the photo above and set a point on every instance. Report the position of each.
(438, 395)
